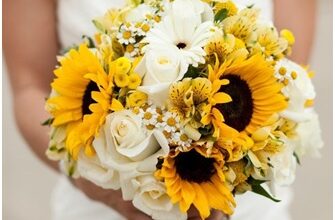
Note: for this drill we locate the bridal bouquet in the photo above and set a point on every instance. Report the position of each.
(183, 103)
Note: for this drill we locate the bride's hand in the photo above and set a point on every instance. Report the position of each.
(110, 198)
(215, 215)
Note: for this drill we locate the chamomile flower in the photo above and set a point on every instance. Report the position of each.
(170, 122)
(143, 28)
(150, 117)
(132, 50)
(182, 141)
(127, 34)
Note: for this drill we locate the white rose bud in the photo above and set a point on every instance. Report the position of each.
(124, 146)
(139, 13)
(160, 67)
(151, 198)
(284, 166)
(92, 169)
(122, 141)
(309, 140)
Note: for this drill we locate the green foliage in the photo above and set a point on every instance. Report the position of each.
(99, 26)
(258, 189)
(89, 40)
(207, 130)
(221, 15)
(47, 122)
(192, 72)
(297, 158)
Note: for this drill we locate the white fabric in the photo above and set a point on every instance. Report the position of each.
(68, 203)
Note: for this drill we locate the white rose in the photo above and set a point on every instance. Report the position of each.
(123, 141)
(92, 169)
(298, 90)
(160, 67)
(139, 13)
(124, 146)
(309, 140)
(197, 10)
(152, 199)
(284, 166)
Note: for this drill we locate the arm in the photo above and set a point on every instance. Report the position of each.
(299, 17)
(30, 47)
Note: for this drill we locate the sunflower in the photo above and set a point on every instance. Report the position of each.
(196, 178)
(254, 91)
(82, 98)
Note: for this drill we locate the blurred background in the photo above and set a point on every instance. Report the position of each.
(28, 184)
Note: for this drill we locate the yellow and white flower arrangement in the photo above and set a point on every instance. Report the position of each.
(182, 103)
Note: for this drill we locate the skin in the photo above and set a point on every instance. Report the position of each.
(299, 17)
(29, 39)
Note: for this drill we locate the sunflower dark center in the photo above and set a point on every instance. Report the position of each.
(87, 98)
(181, 45)
(238, 113)
(193, 167)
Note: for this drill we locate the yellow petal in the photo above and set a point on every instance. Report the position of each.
(188, 194)
(221, 98)
(201, 202)
(116, 105)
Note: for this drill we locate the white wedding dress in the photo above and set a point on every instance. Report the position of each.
(68, 203)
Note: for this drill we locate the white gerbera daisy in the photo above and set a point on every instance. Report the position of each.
(185, 29)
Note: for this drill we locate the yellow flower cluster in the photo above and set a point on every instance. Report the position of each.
(124, 75)
(242, 35)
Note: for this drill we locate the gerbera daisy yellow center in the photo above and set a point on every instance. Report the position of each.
(238, 112)
(193, 167)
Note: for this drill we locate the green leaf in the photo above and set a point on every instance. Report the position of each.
(207, 130)
(60, 150)
(255, 182)
(99, 26)
(47, 122)
(297, 158)
(258, 189)
(192, 72)
(67, 49)
(250, 6)
(71, 171)
(89, 40)
(53, 148)
(221, 15)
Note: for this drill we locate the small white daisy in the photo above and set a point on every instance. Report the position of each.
(170, 122)
(182, 141)
(143, 28)
(150, 117)
(132, 50)
(127, 34)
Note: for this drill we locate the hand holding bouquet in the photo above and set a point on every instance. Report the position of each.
(181, 103)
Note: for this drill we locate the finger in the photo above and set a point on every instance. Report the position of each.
(217, 215)
(193, 214)
(137, 215)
